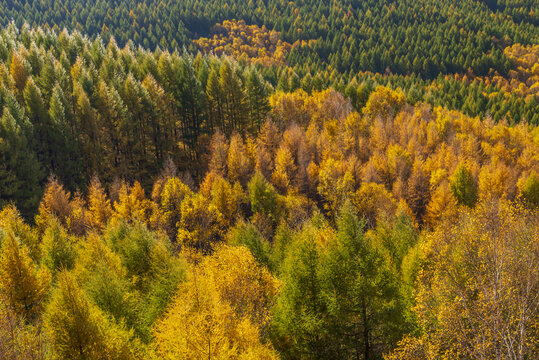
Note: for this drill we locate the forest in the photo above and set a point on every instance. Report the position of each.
(238, 180)
(415, 45)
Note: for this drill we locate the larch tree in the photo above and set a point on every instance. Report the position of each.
(221, 312)
(23, 283)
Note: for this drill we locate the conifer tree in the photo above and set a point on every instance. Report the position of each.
(20, 172)
(24, 284)
(464, 187)
(79, 330)
(257, 99)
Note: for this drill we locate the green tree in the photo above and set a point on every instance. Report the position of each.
(20, 171)
(464, 187)
(79, 330)
(257, 100)
(530, 190)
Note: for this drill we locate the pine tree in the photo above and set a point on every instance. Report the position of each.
(235, 103)
(257, 100)
(216, 101)
(20, 172)
(58, 248)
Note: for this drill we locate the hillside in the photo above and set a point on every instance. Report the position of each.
(269, 180)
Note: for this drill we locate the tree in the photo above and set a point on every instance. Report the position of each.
(24, 284)
(285, 169)
(132, 204)
(172, 196)
(18, 72)
(384, 102)
(365, 308)
(227, 199)
(263, 197)
(235, 105)
(463, 186)
(56, 202)
(216, 101)
(79, 330)
(530, 191)
(257, 100)
(239, 165)
(334, 185)
(418, 194)
(18, 339)
(373, 203)
(58, 248)
(201, 225)
(476, 292)
(99, 208)
(221, 311)
(20, 171)
(299, 322)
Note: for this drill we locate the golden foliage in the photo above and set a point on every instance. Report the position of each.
(477, 293)
(247, 42)
(22, 283)
(222, 312)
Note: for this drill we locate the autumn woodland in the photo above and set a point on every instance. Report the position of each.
(269, 180)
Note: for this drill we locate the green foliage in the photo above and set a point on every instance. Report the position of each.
(264, 198)
(530, 190)
(298, 324)
(79, 330)
(58, 248)
(20, 171)
(464, 187)
(245, 234)
(405, 36)
(340, 295)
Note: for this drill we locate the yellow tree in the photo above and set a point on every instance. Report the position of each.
(226, 198)
(373, 202)
(477, 290)
(238, 163)
(221, 312)
(23, 284)
(18, 73)
(132, 204)
(55, 202)
(172, 196)
(384, 102)
(284, 169)
(18, 339)
(99, 206)
(11, 220)
(335, 185)
(201, 224)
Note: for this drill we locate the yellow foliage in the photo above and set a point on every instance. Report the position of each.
(201, 224)
(373, 202)
(255, 44)
(132, 204)
(22, 283)
(99, 207)
(222, 311)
